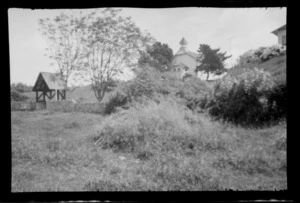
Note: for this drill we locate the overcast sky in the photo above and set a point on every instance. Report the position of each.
(234, 30)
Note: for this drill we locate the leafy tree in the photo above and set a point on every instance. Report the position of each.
(63, 37)
(21, 87)
(211, 60)
(111, 43)
(158, 56)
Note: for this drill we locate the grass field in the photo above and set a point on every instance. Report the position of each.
(57, 152)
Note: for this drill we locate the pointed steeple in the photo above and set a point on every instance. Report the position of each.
(183, 42)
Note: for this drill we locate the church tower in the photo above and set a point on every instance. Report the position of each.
(183, 42)
(183, 48)
(184, 61)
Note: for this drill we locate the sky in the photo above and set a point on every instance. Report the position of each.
(234, 30)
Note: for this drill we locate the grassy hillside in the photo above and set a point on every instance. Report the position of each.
(276, 66)
(57, 152)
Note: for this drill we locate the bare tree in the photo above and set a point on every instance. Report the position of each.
(63, 37)
(111, 44)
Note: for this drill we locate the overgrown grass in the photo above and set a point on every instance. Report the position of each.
(151, 146)
(185, 151)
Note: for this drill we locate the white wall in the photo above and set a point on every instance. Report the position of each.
(280, 35)
(187, 60)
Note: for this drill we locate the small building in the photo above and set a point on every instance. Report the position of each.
(281, 34)
(184, 61)
(49, 86)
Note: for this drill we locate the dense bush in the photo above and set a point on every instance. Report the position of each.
(146, 83)
(156, 126)
(193, 91)
(21, 87)
(277, 102)
(249, 99)
(17, 96)
(150, 82)
(129, 130)
(117, 100)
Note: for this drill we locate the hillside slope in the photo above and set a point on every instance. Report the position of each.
(276, 66)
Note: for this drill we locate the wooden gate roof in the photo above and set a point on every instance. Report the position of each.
(49, 81)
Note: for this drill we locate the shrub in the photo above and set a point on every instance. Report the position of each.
(277, 102)
(145, 122)
(150, 82)
(118, 100)
(193, 91)
(146, 83)
(155, 126)
(17, 96)
(245, 99)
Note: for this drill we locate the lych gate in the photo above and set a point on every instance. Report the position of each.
(49, 86)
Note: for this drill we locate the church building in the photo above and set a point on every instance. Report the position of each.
(184, 61)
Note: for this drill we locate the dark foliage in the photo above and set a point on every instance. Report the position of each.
(149, 82)
(115, 101)
(251, 99)
(158, 56)
(277, 102)
(211, 60)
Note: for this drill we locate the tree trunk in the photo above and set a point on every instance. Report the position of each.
(207, 75)
(99, 93)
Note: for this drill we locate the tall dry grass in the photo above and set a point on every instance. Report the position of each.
(181, 150)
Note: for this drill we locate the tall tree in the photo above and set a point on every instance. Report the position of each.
(111, 44)
(211, 60)
(63, 37)
(158, 56)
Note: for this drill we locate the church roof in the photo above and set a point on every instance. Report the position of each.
(195, 55)
(184, 50)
